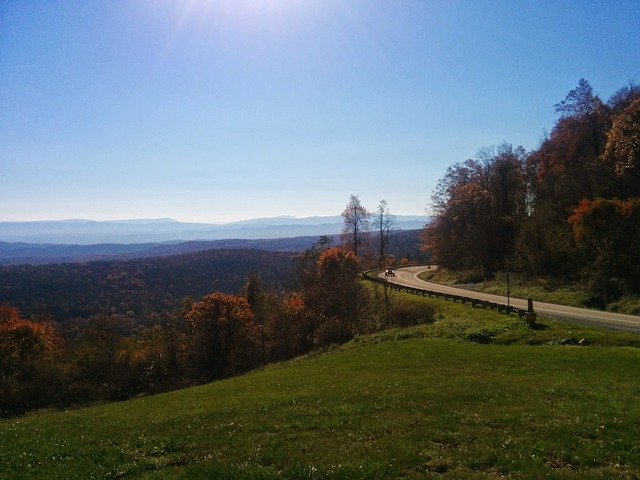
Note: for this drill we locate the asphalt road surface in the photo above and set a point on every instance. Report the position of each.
(408, 276)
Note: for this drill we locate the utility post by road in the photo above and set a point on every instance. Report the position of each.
(506, 277)
(531, 315)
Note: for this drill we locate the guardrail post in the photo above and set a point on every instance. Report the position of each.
(531, 314)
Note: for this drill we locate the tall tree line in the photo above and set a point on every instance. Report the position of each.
(567, 210)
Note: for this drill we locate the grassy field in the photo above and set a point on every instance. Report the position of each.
(474, 395)
(540, 289)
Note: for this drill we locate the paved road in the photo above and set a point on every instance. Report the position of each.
(409, 276)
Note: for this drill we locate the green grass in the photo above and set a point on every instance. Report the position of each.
(459, 322)
(543, 292)
(431, 401)
(540, 289)
(573, 295)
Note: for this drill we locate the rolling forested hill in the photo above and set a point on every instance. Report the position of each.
(140, 285)
(160, 281)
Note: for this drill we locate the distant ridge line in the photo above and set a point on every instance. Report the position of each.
(91, 232)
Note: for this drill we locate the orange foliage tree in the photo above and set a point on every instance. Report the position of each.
(289, 327)
(336, 297)
(225, 339)
(608, 233)
(479, 205)
(27, 374)
(22, 340)
(623, 149)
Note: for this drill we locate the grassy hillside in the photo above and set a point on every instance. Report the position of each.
(425, 402)
(540, 289)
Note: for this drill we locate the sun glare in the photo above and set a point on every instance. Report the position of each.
(252, 28)
(248, 14)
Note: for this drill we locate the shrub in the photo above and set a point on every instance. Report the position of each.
(408, 313)
(332, 331)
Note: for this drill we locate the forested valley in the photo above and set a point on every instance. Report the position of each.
(78, 333)
(568, 211)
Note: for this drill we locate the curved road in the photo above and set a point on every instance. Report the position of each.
(408, 276)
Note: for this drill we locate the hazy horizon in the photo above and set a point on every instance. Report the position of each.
(136, 231)
(214, 111)
(170, 219)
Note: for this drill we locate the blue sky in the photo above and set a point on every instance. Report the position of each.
(222, 110)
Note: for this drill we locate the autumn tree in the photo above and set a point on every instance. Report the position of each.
(97, 370)
(622, 150)
(156, 356)
(29, 376)
(337, 276)
(567, 163)
(306, 263)
(383, 222)
(478, 207)
(455, 203)
(589, 155)
(608, 233)
(331, 294)
(224, 335)
(23, 341)
(258, 302)
(579, 102)
(290, 327)
(300, 326)
(356, 224)
(623, 97)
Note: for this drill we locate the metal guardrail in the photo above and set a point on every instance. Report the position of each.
(474, 302)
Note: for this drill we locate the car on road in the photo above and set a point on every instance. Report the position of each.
(389, 272)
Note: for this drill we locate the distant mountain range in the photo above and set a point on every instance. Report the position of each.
(85, 240)
(20, 253)
(88, 232)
